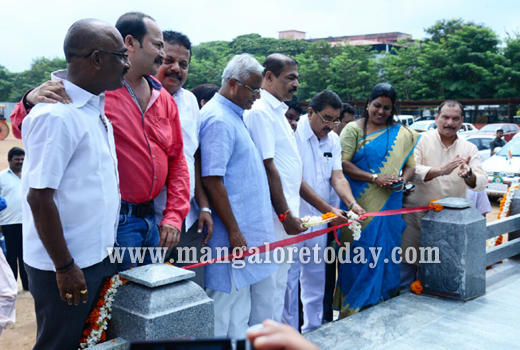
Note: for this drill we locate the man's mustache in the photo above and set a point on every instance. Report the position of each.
(173, 75)
(158, 60)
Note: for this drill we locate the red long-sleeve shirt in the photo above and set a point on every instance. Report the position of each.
(149, 152)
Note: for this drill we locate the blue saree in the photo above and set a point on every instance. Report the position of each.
(366, 283)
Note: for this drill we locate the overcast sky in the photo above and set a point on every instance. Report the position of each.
(35, 28)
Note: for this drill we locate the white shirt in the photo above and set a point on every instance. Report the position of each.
(275, 139)
(11, 190)
(190, 124)
(319, 159)
(68, 149)
(8, 290)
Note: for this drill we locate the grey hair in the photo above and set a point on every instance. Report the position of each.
(241, 67)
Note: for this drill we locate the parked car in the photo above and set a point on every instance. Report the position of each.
(467, 128)
(424, 125)
(503, 169)
(482, 142)
(406, 119)
(510, 130)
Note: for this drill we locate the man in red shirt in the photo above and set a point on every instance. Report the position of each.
(148, 139)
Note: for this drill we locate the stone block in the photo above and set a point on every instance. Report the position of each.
(167, 310)
(459, 234)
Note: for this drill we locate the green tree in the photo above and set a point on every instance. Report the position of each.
(460, 63)
(442, 28)
(6, 84)
(508, 79)
(40, 72)
(315, 75)
(401, 69)
(353, 72)
(207, 63)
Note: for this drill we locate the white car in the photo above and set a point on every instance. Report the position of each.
(482, 142)
(503, 169)
(467, 128)
(406, 119)
(424, 125)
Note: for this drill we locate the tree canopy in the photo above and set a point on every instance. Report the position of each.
(457, 60)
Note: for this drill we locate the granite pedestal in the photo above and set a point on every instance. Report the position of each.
(160, 304)
(459, 233)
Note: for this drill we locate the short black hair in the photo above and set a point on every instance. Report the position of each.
(500, 130)
(325, 98)
(276, 63)
(172, 38)
(132, 23)
(346, 109)
(450, 103)
(294, 104)
(15, 151)
(204, 92)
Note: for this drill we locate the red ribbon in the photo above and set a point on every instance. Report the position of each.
(304, 237)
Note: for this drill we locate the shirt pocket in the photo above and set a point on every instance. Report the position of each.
(327, 164)
(163, 132)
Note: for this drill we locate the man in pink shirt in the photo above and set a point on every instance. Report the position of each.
(148, 138)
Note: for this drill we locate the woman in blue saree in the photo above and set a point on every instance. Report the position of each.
(377, 155)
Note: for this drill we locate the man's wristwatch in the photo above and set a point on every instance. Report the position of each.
(470, 173)
(374, 177)
(206, 210)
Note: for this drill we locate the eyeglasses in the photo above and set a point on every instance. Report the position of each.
(118, 54)
(328, 122)
(254, 91)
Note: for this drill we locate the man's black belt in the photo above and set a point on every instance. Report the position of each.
(137, 210)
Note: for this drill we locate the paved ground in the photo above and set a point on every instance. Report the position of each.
(413, 321)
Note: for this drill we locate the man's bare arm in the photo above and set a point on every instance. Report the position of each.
(201, 197)
(311, 197)
(219, 198)
(292, 224)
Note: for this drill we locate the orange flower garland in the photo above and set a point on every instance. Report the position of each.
(328, 215)
(436, 206)
(97, 321)
(416, 287)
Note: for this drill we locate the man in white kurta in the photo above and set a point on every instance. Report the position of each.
(320, 151)
(446, 166)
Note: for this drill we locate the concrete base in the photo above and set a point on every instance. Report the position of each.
(413, 321)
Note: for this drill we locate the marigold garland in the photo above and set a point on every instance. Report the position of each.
(328, 215)
(504, 212)
(436, 206)
(97, 321)
(505, 202)
(416, 287)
